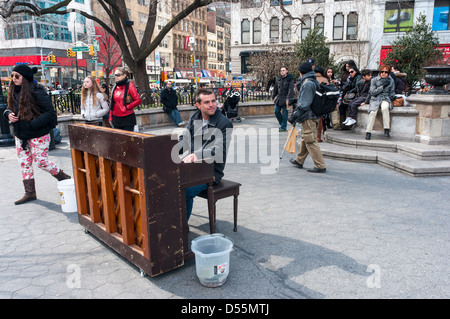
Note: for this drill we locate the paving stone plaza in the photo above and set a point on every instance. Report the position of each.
(360, 230)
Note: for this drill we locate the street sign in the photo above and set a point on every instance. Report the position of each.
(100, 64)
(80, 49)
(47, 62)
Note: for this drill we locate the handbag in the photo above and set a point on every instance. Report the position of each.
(399, 101)
(349, 97)
(129, 99)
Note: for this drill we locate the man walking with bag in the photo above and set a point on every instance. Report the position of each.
(283, 90)
(310, 121)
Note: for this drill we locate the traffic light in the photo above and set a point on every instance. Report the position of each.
(192, 58)
(69, 52)
(52, 58)
(91, 49)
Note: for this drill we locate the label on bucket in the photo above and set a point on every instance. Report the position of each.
(220, 269)
(61, 198)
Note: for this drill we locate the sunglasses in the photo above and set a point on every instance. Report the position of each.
(387, 72)
(16, 75)
(118, 74)
(351, 72)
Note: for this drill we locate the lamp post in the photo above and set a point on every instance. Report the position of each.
(42, 66)
(6, 139)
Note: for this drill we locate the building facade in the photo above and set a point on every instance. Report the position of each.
(360, 30)
(31, 40)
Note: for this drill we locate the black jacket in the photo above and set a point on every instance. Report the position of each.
(210, 142)
(362, 89)
(40, 125)
(169, 98)
(283, 90)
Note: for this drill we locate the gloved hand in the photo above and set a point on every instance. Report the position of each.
(386, 83)
(393, 98)
(293, 118)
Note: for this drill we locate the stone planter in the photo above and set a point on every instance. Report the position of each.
(438, 76)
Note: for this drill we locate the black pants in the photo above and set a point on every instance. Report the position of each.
(125, 128)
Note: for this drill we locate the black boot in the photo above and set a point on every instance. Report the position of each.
(368, 136)
(386, 132)
(61, 176)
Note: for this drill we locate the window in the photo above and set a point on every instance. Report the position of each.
(440, 15)
(286, 30)
(338, 26)
(274, 30)
(352, 26)
(257, 31)
(306, 26)
(312, 1)
(245, 31)
(277, 2)
(398, 16)
(319, 23)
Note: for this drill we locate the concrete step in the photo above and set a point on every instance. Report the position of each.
(414, 159)
(380, 143)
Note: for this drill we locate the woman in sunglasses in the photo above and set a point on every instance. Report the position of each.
(382, 93)
(124, 98)
(31, 112)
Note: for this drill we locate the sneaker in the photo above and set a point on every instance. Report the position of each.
(294, 162)
(346, 120)
(350, 122)
(317, 170)
(182, 124)
(281, 130)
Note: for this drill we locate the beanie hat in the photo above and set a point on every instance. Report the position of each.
(25, 71)
(305, 67)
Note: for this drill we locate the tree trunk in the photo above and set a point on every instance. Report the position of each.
(141, 76)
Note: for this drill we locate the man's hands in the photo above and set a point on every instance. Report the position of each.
(190, 158)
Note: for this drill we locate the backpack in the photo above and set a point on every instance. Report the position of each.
(325, 99)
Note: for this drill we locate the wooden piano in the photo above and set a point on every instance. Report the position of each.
(131, 195)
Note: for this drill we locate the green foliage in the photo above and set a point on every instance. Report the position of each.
(314, 46)
(414, 50)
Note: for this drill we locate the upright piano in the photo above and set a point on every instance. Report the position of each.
(131, 194)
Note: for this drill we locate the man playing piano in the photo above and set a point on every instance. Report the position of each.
(206, 139)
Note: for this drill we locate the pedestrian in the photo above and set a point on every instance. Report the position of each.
(104, 89)
(362, 94)
(399, 79)
(32, 115)
(283, 89)
(124, 98)
(209, 126)
(382, 93)
(169, 101)
(310, 121)
(93, 103)
(321, 79)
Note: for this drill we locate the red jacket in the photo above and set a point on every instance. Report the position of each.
(117, 95)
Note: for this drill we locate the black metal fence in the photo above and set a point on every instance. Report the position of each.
(69, 103)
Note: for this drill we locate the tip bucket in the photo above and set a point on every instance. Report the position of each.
(67, 195)
(212, 259)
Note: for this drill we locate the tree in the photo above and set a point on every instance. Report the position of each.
(314, 46)
(109, 54)
(134, 53)
(415, 49)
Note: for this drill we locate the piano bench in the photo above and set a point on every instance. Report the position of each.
(213, 193)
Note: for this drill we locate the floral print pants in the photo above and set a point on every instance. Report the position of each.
(37, 152)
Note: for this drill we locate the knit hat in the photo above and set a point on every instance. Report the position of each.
(305, 67)
(311, 60)
(25, 71)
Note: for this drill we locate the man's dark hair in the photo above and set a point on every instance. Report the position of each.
(366, 72)
(203, 92)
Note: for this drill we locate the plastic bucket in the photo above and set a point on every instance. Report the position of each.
(212, 259)
(67, 195)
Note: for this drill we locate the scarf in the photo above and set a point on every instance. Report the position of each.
(120, 83)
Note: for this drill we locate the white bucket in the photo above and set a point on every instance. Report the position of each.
(67, 195)
(212, 259)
